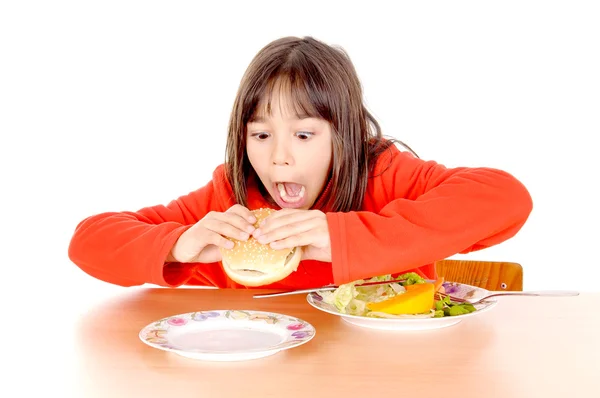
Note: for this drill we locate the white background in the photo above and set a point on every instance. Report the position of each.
(117, 105)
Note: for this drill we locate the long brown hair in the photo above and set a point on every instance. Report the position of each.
(321, 82)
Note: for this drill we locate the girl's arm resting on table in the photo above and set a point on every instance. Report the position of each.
(440, 212)
(124, 249)
(132, 248)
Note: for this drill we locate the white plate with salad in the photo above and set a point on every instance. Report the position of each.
(409, 304)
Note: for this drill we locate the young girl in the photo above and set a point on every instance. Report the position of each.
(301, 141)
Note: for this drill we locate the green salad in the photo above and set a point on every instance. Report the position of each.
(352, 299)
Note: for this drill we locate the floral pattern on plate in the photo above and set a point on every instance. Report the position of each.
(293, 331)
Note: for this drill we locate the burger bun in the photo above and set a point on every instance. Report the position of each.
(250, 263)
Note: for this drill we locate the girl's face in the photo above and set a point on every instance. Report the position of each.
(290, 153)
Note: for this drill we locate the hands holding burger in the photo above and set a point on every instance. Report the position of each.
(256, 247)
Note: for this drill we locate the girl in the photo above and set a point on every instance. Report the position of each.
(301, 141)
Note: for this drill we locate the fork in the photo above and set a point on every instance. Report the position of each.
(329, 288)
(549, 293)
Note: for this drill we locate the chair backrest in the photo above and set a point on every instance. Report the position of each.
(490, 275)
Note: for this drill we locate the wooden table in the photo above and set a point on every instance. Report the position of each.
(524, 347)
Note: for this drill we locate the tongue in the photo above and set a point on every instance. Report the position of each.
(292, 189)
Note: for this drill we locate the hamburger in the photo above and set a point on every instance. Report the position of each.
(250, 263)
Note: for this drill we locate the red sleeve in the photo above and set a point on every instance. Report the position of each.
(418, 212)
(130, 248)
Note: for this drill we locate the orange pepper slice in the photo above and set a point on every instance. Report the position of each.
(416, 300)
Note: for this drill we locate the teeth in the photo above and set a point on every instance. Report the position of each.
(284, 195)
(281, 188)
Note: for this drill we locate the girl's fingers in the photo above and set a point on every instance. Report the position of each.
(302, 239)
(226, 229)
(243, 212)
(235, 220)
(284, 218)
(219, 241)
(287, 230)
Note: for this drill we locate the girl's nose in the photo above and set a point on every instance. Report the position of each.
(280, 163)
(281, 155)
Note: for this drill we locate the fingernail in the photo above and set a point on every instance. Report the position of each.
(250, 229)
(256, 232)
(252, 219)
(244, 236)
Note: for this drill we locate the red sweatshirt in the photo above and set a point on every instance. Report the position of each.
(415, 212)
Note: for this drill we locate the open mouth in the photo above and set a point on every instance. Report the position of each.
(290, 192)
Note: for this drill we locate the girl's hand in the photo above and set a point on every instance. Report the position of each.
(290, 228)
(201, 242)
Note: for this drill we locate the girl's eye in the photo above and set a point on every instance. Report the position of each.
(304, 135)
(260, 136)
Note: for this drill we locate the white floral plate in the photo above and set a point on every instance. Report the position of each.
(452, 288)
(227, 335)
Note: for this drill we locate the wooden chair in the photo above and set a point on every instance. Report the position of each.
(490, 275)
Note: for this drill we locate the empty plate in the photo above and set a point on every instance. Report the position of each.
(227, 335)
